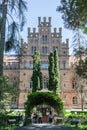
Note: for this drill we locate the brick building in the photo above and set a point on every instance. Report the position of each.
(20, 68)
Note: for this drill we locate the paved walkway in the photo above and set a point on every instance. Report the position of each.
(44, 127)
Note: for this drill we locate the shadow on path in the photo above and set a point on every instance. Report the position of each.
(44, 127)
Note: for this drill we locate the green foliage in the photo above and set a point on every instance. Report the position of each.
(74, 13)
(81, 64)
(82, 127)
(14, 26)
(51, 72)
(7, 90)
(56, 71)
(6, 115)
(39, 98)
(4, 90)
(37, 75)
(79, 52)
(72, 116)
(9, 127)
(38, 84)
(81, 68)
(10, 26)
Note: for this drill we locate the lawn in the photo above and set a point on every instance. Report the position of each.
(8, 127)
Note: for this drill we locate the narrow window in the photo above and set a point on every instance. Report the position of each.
(33, 49)
(73, 84)
(64, 64)
(31, 64)
(25, 64)
(44, 39)
(75, 100)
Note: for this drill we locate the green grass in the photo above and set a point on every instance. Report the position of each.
(82, 127)
(8, 127)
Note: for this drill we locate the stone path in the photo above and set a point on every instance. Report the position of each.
(44, 127)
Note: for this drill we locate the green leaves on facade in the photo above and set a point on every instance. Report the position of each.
(40, 98)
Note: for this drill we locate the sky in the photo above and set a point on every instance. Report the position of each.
(45, 8)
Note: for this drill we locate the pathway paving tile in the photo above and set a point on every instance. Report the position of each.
(44, 127)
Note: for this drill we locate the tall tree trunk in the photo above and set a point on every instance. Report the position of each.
(82, 100)
(2, 40)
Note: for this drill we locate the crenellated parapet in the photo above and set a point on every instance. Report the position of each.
(45, 22)
(56, 33)
(32, 33)
(60, 32)
(67, 41)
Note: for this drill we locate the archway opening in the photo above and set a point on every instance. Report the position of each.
(39, 98)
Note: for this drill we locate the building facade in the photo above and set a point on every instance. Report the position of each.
(20, 68)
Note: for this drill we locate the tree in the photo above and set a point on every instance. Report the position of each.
(81, 68)
(9, 26)
(74, 13)
(53, 70)
(56, 71)
(7, 90)
(51, 85)
(37, 75)
(80, 84)
(9, 38)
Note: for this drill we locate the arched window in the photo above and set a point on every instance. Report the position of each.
(75, 100)
(44, 50)
(55, 48)
(31, 64)
(24, 98)
(64, 64)
(13, 102)
(45, 82)
(73, 83)
(33, 49)
(25, 64)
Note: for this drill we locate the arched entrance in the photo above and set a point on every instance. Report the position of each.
(40, 98)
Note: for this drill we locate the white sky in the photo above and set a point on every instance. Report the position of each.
(45, 8)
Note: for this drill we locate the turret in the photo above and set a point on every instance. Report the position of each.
(60, 31)
(44, 22)
(34, 30)
(39, 21)
(28, 31)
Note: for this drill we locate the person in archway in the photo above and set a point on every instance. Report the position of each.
(35, 116)
(50, 117)
(39, 117)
